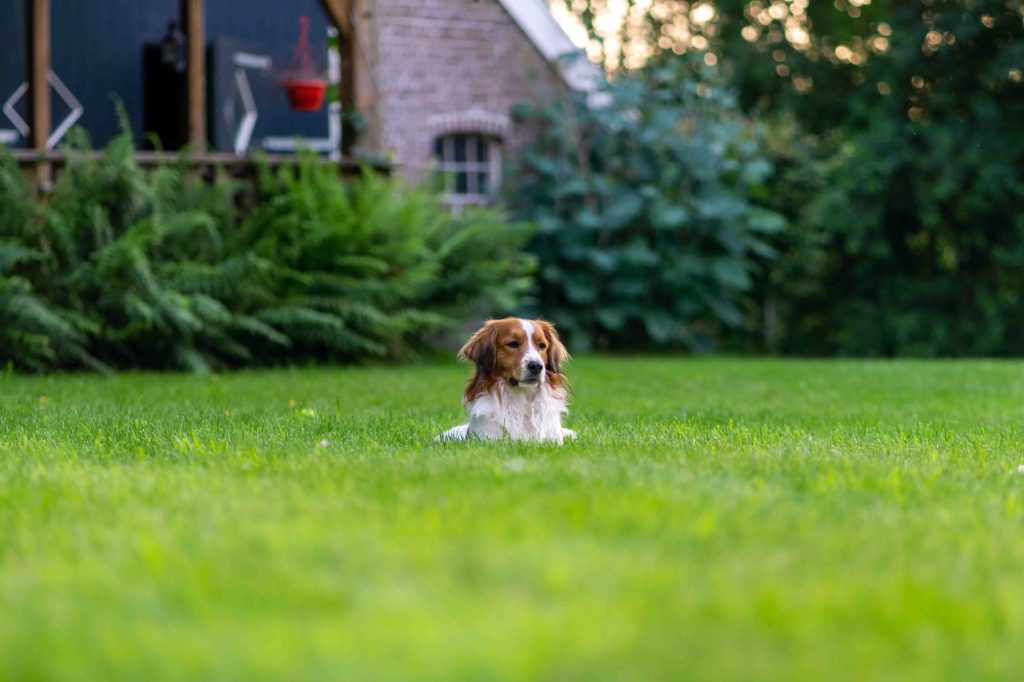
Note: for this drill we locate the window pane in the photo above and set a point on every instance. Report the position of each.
(484, 184)
(483, 148)
(461, 182)
(439, 148)
(460, 147)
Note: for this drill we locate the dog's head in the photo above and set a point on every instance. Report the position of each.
(522, 353)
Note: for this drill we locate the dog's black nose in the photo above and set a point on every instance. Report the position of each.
(534, 367)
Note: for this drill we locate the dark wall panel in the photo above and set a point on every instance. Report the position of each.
(98, 53)
(271, 27)
(13, 63)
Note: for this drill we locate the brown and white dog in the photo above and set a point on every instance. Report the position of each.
(518, 390)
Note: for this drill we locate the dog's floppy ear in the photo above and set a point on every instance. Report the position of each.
(480, 349)
(557, 354)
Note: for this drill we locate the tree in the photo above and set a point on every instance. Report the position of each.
(916, 110)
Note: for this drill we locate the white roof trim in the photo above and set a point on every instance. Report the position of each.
(536, 21)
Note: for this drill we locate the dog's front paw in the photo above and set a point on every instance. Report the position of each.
(568, 433)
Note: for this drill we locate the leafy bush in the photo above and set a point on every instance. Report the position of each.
(905, 236)
(789, 292)
(372, 269)
(920, 183)
(926, 241)
(124, 268)
(650, 212)
(33, 333)
(118, 246)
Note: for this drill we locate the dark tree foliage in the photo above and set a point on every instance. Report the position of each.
(919, 210)
(899, 156)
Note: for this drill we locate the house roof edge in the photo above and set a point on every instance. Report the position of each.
(551, 40)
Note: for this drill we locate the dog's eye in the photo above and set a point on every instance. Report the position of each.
(512, 344)
(542, 346)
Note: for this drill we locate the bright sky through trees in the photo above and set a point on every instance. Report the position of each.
(625, 33)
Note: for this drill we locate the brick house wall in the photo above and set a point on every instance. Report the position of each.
(436, 67)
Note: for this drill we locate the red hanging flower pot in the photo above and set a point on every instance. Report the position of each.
(303, 85)
(306, 94)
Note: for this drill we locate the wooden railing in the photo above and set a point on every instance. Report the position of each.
(205, 164)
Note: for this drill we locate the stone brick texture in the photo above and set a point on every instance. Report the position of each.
(441, 58)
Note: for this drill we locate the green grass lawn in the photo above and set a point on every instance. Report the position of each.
(716, 519)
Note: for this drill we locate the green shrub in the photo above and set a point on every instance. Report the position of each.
(925, 241)
(118, 246)
(649, 210)
(789, 292)
(372, 269)
(34, 334)
(124, 268)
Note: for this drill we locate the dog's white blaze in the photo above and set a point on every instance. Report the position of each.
(531, 351)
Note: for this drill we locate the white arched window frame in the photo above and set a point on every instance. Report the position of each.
(470, 164)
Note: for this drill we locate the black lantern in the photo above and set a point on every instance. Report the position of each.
(172, 48)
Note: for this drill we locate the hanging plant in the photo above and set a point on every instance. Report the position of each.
(303, 83)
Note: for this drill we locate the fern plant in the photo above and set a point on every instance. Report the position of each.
(34, 334)
(128, 268)
(372, 268)
(113, 240)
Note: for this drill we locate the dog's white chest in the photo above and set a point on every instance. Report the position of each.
(518, 414)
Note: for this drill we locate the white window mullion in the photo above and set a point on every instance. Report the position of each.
(494, 172)
(448, 152)
(471, 183)
(473, 166)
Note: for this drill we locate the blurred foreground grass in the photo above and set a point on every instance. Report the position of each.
(716, 519)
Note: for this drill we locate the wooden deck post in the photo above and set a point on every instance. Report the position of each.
(347, 93)
(40, 115)
(193, 16)
(339, 12)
